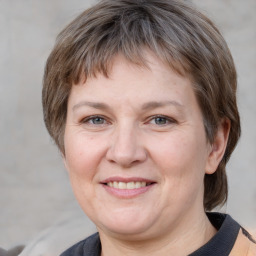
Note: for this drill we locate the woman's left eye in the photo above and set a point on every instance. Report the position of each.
(161, 120)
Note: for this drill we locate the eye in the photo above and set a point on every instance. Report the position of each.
(161, 120)
(95, 120)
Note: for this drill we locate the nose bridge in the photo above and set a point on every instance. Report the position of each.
(126, 146)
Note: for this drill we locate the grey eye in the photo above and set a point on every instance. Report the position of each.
(160, 120)
(97, 120)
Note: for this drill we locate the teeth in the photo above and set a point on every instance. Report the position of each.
(128, 185)
(121, 185)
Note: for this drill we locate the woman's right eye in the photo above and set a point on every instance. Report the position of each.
(94, 120)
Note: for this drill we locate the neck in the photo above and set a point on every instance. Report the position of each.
(190, 235)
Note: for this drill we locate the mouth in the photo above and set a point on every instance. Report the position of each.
(127, 188)
(128, 185)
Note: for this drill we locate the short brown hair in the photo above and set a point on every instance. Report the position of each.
(175, 32)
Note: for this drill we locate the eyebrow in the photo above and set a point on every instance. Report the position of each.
(157, 104)
(146, 106)
(96, 105)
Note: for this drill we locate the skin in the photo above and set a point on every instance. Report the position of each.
(141, 123)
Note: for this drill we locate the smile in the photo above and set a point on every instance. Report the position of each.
(128, 185)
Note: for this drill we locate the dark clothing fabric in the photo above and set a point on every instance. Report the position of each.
(91, 246)
(220, 245)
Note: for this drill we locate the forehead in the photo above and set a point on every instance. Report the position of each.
(149, 62)
(127, 81)
(103, 65)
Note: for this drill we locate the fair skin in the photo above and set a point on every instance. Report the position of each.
(136, 153)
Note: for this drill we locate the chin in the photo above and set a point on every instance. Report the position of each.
(125, 225)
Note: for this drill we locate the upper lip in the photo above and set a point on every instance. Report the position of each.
(126, 179)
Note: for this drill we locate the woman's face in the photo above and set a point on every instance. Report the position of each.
(136, 150)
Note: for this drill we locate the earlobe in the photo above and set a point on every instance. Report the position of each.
(218, 147)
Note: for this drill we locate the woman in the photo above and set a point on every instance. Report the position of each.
(140, 98)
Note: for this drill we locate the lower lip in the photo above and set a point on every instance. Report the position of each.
(128, 193)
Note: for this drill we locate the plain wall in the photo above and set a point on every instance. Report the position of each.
(34, 187)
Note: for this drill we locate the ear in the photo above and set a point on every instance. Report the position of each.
(218, 146)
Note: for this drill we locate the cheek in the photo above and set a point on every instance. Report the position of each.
(81, 160)
(172, 151)
(82, 155)
(181, 159)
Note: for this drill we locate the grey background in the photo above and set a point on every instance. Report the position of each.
(34, 187)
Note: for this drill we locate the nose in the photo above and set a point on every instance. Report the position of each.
(126, 147)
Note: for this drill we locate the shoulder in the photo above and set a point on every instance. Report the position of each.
(245, 244)
(90, 246)
(242, 242)
(252, 243)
